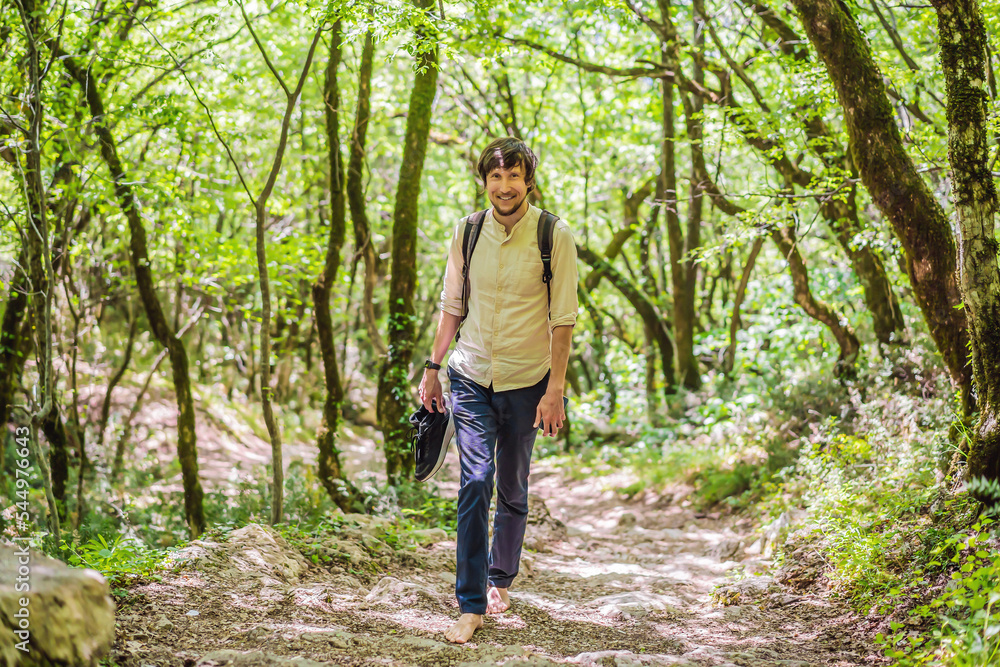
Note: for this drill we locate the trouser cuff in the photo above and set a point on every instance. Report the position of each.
(472, 610)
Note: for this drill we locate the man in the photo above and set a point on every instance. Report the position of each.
(507, 372)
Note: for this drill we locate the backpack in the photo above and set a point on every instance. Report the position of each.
(470, 236)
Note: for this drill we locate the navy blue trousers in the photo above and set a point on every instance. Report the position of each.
(495, 432)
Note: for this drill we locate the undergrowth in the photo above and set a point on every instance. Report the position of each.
(860, 463)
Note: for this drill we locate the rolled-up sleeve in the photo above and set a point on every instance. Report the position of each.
(563, 310)
(451, 295)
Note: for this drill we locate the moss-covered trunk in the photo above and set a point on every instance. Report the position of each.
(395, 396)
(187, 449)
(683, 294)
(12, 345)
(331, 471)
(356, 195)
(962, 37)
(892, 180)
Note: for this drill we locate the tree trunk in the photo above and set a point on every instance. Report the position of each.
(658, 327)
(729, 361)
(962, 38)
(187, 451)
(600, 351)
(13, 346)
(652, 400)
(54, 429)
(685, 314)
(42, 280)
(880, 299)
(683, 294)
(893, 182)
(331, 471)
(816, 309)
(394, 391)
(356, 195)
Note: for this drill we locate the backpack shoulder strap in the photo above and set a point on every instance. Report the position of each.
(546, 230)
(470, 236)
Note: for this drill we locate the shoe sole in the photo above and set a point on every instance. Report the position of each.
(449, 433)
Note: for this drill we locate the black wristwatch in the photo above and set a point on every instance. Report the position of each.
(431, 365)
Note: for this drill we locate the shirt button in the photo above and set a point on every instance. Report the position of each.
(501, 266)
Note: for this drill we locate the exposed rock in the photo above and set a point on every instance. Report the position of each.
(747, 590)
(260, 549)
(429, 536)
(634, 604)
(490, 660)
(164, 624)
(374, 544)
(774, 533)
(69, 618)
(626, 659)
(351, 551)
(543, 529)
(726, 549)
(334, 638)
(194, 552)
(392, 591)
(527, 567)
(228, 658)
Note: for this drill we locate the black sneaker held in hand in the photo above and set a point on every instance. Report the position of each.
(429, 437)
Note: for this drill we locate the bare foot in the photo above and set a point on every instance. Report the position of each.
(497, 600)
(464, 627)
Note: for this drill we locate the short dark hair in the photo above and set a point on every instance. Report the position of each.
(507, 153)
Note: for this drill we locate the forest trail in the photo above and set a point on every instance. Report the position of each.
(604, 581)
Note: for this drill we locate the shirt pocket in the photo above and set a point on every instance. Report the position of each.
(527, 276)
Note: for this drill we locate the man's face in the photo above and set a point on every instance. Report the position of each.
(506, 189)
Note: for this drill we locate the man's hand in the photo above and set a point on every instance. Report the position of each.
(430, 390)
(550, 413)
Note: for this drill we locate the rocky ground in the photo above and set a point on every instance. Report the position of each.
(604, 582)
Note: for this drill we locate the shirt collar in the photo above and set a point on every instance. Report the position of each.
(530, 216)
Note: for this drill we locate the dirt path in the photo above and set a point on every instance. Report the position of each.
(603, 582)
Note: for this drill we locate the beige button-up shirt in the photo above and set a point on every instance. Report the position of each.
(505, 339)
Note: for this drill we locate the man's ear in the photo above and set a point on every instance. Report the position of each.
(531, 186)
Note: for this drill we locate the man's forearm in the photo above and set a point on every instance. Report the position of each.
(560, 347)
(446, 329)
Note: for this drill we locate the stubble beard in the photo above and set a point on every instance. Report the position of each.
(515, 205)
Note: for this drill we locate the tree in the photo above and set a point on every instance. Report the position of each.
(963, 41)
(394, 391)
(187, 449)
(331, 471)
(893, 181)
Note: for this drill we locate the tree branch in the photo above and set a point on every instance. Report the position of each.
(260, 47)
(208, 112)
(630, 72)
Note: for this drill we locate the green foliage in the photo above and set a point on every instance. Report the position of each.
(122, 561)
(435, 512)
(964, 617)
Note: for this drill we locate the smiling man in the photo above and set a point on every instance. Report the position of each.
(508, 369)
